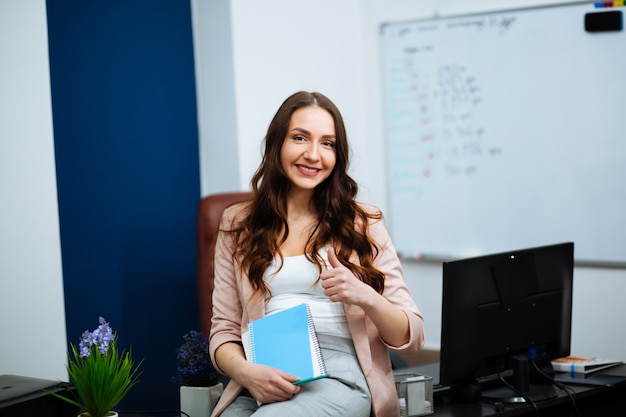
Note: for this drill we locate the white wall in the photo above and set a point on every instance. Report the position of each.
(280, 46)
(215, 85)
(32, 318)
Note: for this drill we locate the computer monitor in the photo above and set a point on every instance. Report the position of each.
(498, 311)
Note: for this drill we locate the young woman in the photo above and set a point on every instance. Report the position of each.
(304, 239)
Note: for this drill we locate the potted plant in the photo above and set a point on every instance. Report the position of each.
(199, 381)
(101, 375)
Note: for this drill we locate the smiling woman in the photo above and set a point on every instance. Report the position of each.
(308, 151)
(303, 238)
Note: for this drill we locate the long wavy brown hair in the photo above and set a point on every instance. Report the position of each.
(341, 221)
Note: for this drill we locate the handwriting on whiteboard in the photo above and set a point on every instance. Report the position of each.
(435, 112)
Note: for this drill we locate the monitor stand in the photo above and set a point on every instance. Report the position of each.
(520, 389)
(507, 395)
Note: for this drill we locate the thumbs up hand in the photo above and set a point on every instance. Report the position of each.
(332, 258)
(340, 284)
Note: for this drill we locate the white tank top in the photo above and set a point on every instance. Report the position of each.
(293, 285)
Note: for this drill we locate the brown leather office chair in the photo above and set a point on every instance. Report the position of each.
(210, 210)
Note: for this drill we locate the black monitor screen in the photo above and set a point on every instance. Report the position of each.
(501, 307)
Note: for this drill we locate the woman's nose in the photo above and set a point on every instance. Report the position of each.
(312, 152)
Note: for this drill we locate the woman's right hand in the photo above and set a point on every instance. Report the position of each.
(267, 384)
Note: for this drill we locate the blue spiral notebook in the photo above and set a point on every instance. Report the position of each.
(286, 340)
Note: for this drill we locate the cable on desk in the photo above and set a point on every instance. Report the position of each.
(518, 392)
(499, 406)
(559, 385)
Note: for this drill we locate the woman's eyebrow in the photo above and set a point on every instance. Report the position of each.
(306, 132)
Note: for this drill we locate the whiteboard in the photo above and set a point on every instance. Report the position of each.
(503, 131)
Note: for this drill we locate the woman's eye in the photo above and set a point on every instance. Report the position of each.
(329, 143)
(298, 138)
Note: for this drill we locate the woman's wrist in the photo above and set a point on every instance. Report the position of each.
(231, 358)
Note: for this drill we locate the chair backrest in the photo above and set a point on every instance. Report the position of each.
(209, 213)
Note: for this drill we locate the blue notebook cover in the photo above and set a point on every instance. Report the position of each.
(286, 340)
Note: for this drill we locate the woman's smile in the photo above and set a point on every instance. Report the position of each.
(308, 171)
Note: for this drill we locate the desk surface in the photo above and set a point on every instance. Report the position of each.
(591, 400)
(24, 397)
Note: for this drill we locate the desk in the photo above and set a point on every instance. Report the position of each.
(24, 397)
(592, 401)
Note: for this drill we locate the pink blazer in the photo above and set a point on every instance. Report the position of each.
(235, 305)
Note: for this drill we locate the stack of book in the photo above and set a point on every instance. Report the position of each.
(581, 365)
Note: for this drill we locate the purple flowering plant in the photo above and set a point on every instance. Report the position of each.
(194, 366)
(100, 373)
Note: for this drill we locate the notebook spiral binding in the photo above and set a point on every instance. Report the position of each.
(318, 353)
(251, 346)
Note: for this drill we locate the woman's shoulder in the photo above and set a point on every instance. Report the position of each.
(370, 210)
(373, 215)
(375, 220)
(236, 213)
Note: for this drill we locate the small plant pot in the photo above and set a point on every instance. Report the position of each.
(199, 401)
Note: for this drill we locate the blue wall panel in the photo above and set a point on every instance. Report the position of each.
(126, 143)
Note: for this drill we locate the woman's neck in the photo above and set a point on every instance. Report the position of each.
(299, 205)
(301, 220)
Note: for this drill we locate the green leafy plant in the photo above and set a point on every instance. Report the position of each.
(101, 374)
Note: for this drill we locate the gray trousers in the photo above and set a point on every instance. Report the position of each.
(344, 393)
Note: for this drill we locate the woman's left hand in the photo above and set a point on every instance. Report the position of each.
(340, 284)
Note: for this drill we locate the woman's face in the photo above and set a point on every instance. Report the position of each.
(308, 152)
